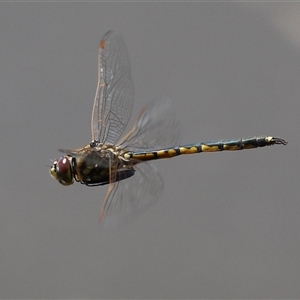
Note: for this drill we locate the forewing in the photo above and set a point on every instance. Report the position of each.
(114, 96)
(128, 198)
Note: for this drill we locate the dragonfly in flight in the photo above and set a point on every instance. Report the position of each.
(114, 160)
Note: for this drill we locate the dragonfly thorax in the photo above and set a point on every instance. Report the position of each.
(101, 165)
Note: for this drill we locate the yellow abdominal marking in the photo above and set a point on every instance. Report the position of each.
(232, 147)
(206, 148)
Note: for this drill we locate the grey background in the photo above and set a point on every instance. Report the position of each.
(227, 224)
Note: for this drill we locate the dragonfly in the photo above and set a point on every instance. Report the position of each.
(124, 163)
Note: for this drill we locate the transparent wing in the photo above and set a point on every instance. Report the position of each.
(157, 127)
(127, 199)
(114, 96)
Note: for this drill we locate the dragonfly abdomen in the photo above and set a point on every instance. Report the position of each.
(212, 146)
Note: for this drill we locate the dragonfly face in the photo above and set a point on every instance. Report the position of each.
(62, 170)
(109, 159)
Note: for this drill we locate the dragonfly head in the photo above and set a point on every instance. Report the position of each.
(62, 170)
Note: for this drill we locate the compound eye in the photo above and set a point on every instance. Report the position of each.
(62, 170)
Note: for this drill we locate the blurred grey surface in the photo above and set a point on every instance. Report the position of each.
(227, 224)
